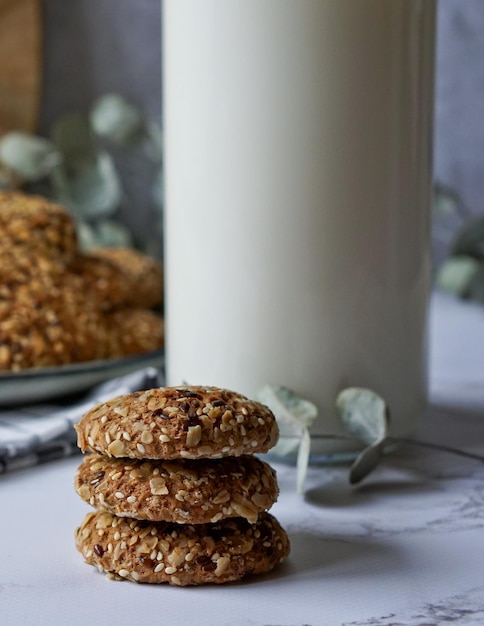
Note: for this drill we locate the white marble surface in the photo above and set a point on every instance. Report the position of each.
(405, 548)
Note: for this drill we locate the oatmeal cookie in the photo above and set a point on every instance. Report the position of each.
(19, 266)
(184, 491)
(189, 422)
(123, 276)
(34, 223)
(42, 327)
(133, 331)
(181, 554)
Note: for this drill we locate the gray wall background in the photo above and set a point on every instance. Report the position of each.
(96, 46)
(459, 107)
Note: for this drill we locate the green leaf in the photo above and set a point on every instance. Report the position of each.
(457, 274)
(446, 201)
(159, 191)
(114, 233)
(86, 235)
(364, 414)
(475, 288)
(287, 443)
(303, 460)
(366, 462)
(87, 181)
(155, 142)
(29, 158)
(117, 119)
(104, 233)
(72, 136)
(90, 189)
(5, 183)
(469, 241)
(294, 416)
(290, 409)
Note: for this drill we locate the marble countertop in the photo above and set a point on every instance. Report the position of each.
(404, 548)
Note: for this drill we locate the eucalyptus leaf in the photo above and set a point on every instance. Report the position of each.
(87, 236)
(287, 444)
(303, 460)
(104, 233)
(446, 201)
(159, 191)
(294, 416)
(117, 119)
(72, 136)
(155, 141)
(114, 233)
(475, 287)
(366, 462)
(469, 241)
(290, 410)
(4, 181)
(28, 157)
(90, 189)
(457, 274)
(364, 414)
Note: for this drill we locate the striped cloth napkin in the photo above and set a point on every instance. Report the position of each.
(39, 433)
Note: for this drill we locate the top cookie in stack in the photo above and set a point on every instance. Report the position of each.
(178, 422)
(59, 305)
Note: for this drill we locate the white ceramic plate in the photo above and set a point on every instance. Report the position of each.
(47, 383)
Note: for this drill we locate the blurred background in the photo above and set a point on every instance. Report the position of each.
(75, 52)
(94, 47)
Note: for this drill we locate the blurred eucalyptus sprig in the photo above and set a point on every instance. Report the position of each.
(294, 416)
(365, 417)
(462, 272)
(76, 166)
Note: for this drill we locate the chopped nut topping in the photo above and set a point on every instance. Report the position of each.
(158, 487)
(194, 435)
(222, 564)
(116, 448)
(146, 437)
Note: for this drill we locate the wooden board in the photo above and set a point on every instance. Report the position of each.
(20, 64)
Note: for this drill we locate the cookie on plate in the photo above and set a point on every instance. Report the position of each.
(36, 224)
(189, 422)
(142, 274)
(120, 277)
(22, 267)
(47, 327)
(133, 331)
(185, 491)
(181, 554)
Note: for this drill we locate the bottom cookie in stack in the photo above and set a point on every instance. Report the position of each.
(180, 497)
(182, 554)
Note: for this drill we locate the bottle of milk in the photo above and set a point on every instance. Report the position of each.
(298, 179)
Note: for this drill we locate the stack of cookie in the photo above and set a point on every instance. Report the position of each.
(180, 496)
(59, 305)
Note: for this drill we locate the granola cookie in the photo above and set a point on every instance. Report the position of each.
(181, 554)
(42, 327)
(36, 224)
(188, 422)
(21, 267)
(120, 277)
(184, 491)
(133, 331)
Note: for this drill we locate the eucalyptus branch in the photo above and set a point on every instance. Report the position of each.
(411, 442)
(436, 446)
(365, 418)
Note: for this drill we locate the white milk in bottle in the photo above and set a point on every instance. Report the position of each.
(298, 178)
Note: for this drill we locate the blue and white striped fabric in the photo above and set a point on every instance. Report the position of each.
(36, 434)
